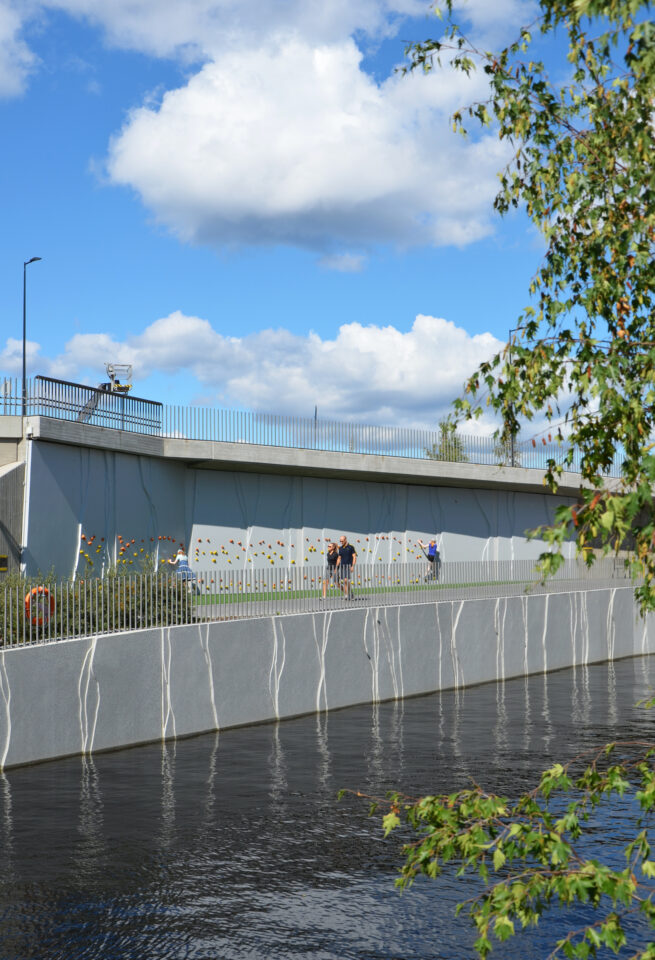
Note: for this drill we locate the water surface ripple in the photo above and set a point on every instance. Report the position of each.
(233, 845)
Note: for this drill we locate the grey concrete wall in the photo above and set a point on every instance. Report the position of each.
(295, 460)
(110, 691)
(233, 519)
(12, 486)
(78, 490)
(11, 438)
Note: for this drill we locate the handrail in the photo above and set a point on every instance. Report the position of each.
(62, 399)
(36, 611)
(69, 383)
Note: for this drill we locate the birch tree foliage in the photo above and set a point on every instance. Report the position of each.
(582, 167)
(583, 357)
(546, 850)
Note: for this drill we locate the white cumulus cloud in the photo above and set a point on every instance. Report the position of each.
(297, 145)
(17, 61)
(366, 373)
(281, 136)
(496, 23)
(11, 357)
(202, 28)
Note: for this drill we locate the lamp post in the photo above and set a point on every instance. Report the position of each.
(512, 441)
(24, 390)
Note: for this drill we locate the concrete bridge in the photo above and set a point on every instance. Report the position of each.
(242, 505)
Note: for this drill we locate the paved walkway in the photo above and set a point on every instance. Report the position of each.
(244, 609)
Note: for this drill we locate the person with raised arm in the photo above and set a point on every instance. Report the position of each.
(431, 554)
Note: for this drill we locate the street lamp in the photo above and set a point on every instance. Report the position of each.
(24, 391)
(513, 439)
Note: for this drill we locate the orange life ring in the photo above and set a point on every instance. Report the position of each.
(39, 605)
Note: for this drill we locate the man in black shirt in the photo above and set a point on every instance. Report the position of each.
(345, 563)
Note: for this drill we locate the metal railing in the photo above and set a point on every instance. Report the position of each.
(276, 430)
(33, 613)
(61, 400)
(69, 401)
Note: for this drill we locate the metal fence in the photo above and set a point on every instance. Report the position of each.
(34, 613)
(70, 401)
(276, 430)
(47, 397)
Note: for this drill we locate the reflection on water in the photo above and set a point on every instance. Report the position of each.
(90, 842)
(167, 828)
(233, 846)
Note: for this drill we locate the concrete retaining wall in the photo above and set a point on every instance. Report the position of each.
(12, 484)
(233, 520)
(110, 691)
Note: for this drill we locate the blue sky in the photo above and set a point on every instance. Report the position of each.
(245, 201)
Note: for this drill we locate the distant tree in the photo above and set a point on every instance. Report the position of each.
(450, 445)
(507, 453)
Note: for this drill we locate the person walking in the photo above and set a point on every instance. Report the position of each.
(331, 572)
(345, 563)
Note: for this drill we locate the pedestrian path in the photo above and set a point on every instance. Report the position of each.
(233, 607)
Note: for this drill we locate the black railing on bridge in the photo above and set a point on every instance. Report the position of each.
(48, 397)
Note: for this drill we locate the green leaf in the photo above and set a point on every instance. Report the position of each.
(390, 822)
(503, 928)
(498, 858)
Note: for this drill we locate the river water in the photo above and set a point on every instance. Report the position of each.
(234, 846)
